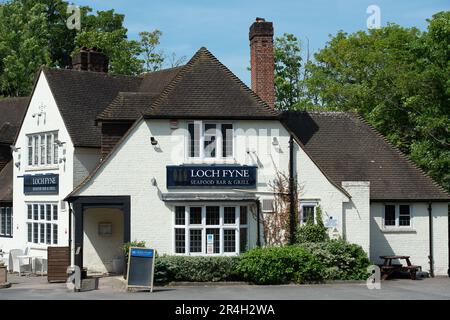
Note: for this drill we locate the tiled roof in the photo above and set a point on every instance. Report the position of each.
(82, 95)
(6, 183)
(127, 106)
(11, 114)
(205, 88)
(349, 149)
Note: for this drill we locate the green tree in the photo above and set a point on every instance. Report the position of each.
(288, 68)
(397, 78)
(153, 59)
(34, 33)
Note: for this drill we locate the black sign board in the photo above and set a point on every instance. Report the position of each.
(196, 176)
(41, 184)
(141, 266)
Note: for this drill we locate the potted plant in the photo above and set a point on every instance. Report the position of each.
(3, 273)
(125, 250)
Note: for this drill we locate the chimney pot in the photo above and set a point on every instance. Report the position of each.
(90, 60)
(262, 63)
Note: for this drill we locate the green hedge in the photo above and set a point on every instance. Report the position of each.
(278, 265)
(341, 260)
(304, 263)
(198, 269)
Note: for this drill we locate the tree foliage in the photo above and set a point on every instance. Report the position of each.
(34, 33)
(397, 78)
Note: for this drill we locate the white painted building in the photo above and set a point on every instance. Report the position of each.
(185, 159)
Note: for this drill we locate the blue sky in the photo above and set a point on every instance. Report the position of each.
(222, 25)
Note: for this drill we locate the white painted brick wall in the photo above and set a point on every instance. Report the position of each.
(414, 243)
(357, 214)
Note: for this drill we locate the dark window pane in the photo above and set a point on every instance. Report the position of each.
(3, 221)
(405, 215)
(389, 215)
(48, 212)
(42, 233)
(180, 240)
(35, 212)
(180, 216)
(9, 221)
(243, 219)
(210, 143)
(229, 240)
(36, 232)
(30, 150)
(55, 234)
(30, 232)
(195, 215)
(307, 213)
(55, 212)
(195, 240)
(216, 243)
(42, 211)
(55, 149)
(212, 216)
(227, 137)
(229, 215)
(30, 212)
(194, 139)
(243, 240)
(48, 233)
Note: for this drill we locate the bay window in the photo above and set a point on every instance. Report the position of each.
(210, 229)
(42, 149)
(210, 140)
(42, 224)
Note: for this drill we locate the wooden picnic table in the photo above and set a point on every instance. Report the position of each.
(389, 268)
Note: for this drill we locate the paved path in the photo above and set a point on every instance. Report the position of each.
(113, 288)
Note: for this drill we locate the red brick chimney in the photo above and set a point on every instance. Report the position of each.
(262, 63)
(90, 60)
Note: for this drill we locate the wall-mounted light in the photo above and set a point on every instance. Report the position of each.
(154, 141)
(63, 159)
(59, 142)
(14, 148)
(17, 164)
(275, 141)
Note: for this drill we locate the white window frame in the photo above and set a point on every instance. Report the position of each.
(39, 149)
(307, 203)
(397, 215)
(42, 221)
(4, 211)
(221, 226)
(219, 142)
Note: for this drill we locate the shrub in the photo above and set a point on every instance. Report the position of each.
(278, 265)
(341, 260)
(202, 269)
(310, 232)
(126, 246)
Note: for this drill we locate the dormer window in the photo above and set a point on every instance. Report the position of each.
(207, 140)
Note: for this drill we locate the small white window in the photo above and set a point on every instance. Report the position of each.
(210, 140)
(397, 215)
(307, 211)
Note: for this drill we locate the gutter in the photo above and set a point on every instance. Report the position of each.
(430, 233)
(258, 227)
(291, 191)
